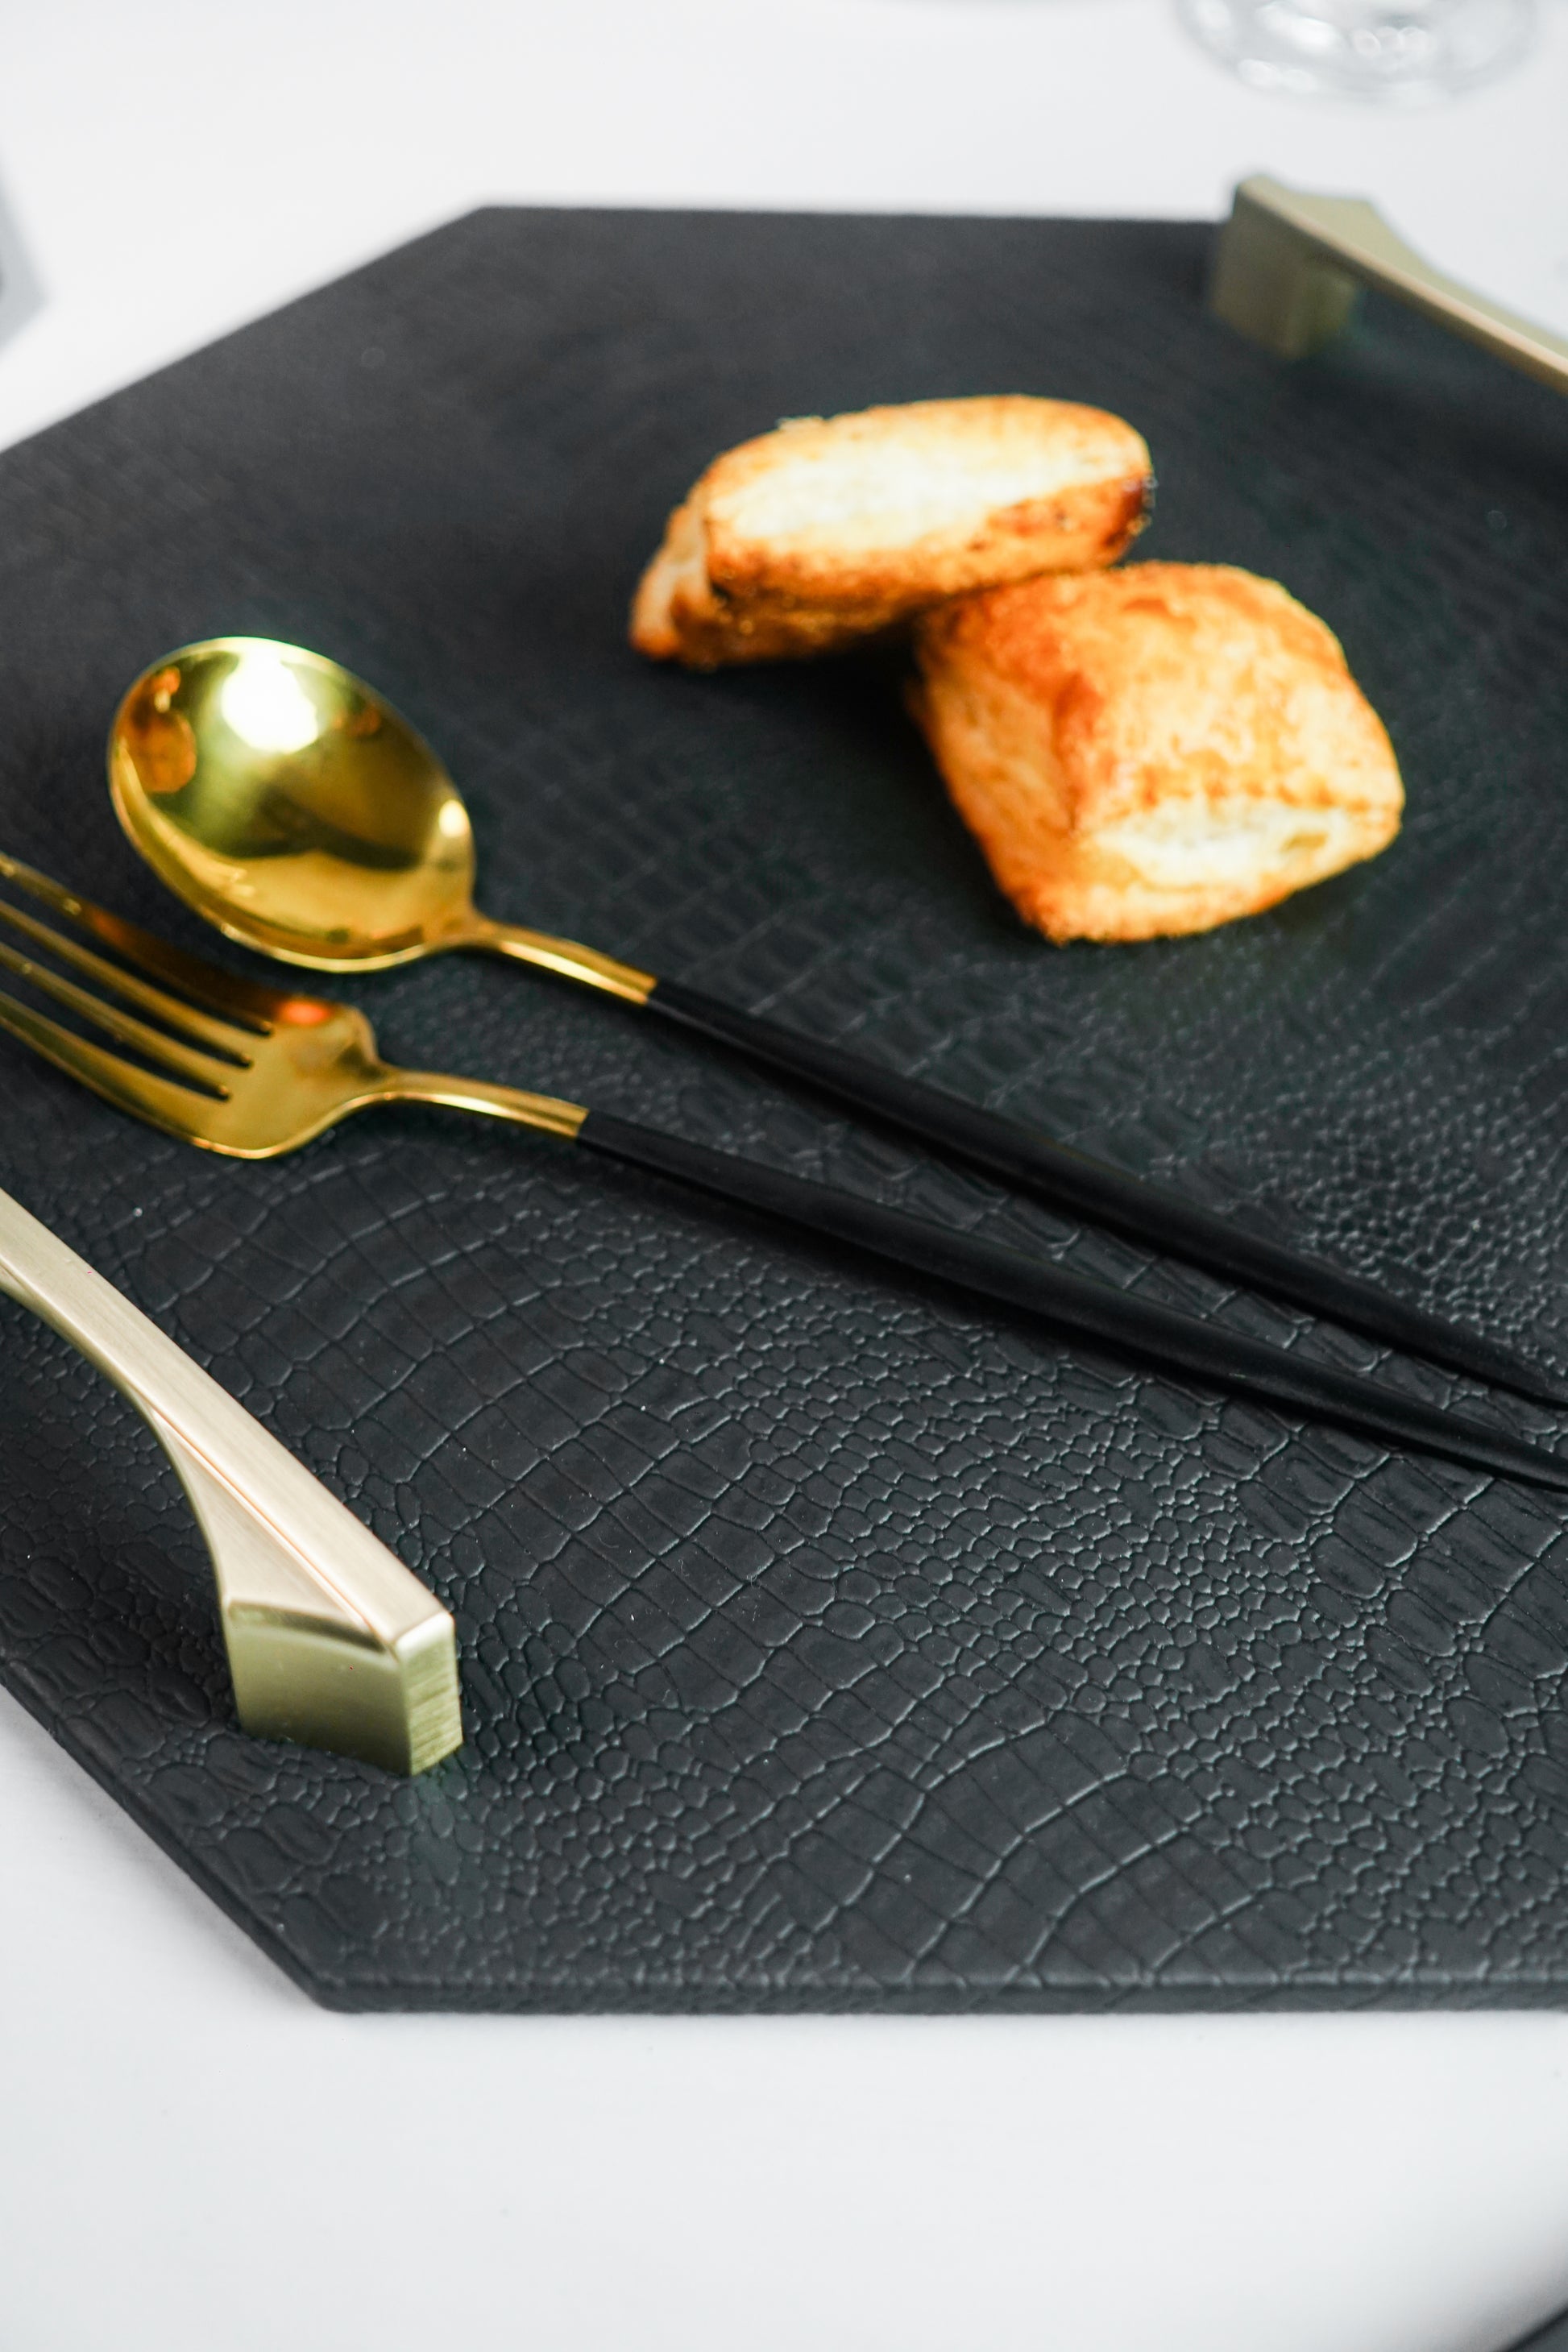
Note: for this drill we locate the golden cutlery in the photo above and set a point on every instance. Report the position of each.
(1288, 267)
(331, 1641)
(253, 1071)
(291, 806)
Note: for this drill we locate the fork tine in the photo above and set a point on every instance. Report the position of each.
(246, 1000)
(157, 1100)
(223, 1036)
(202, 1069)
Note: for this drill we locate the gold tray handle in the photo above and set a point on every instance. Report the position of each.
(332, 1642)
(1288, 268)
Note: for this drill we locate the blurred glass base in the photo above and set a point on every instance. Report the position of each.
(1395, 55)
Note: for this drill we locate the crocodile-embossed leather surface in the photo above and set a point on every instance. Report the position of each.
(825, 1639)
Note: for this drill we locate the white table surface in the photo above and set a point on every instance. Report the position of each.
(191, 2154)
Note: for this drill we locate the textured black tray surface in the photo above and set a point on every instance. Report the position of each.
(825, 1642)
(1553, 2337)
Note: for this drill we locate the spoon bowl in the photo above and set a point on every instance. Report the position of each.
(291, 806)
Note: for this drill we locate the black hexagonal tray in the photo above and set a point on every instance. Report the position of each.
(826, 1641)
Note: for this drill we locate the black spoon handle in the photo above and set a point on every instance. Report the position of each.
(1108, 1195)
(1069, 1303)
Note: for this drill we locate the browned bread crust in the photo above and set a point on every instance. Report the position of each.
(1155, 749)
(831, 527)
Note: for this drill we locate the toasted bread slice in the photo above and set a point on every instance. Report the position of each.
(1155, 749)
(831, 527)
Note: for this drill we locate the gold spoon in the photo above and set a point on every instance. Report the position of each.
(293, 807)
(296, 810)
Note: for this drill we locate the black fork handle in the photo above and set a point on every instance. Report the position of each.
(1069, 1304)
(1108, 1195)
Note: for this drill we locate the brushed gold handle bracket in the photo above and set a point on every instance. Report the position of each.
(331, 1641)
(1288, 267)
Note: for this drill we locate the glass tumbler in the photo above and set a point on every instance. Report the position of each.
(1398, 52)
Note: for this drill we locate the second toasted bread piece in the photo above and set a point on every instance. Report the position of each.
(831, 527)
(1153, 749)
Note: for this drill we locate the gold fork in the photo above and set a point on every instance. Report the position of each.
(241, 1069)
(252, 1071)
